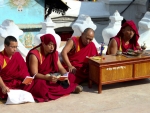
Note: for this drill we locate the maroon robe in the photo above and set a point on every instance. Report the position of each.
(133, 43)
(14, 72)
(43, 90)
(78, 58)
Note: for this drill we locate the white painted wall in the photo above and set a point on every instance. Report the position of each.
(135, 12)
(100, 11)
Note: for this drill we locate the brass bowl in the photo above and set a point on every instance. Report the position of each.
(119, 53)
(138, 53)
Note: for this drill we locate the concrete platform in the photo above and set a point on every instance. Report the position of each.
(125, 97)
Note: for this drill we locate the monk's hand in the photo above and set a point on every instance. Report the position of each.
(53, 78)
(138, 47)
(72, 69)
(5, 89)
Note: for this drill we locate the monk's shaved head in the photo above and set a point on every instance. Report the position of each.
(88, 30)
(87, 36)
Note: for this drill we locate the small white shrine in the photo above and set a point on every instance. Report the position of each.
(83, 22)
(79, 17)
(113, 28)
(144, 30)
(47, 27)
(8, 27)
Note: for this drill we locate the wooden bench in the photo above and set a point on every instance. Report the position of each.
(111, 69)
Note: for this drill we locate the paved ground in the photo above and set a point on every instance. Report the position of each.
(126, 97)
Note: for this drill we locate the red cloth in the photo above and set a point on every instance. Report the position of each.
(47, 38)
(43, 90)
(49, 63)
(133, 43)
(79, 60)
(44, 68)
(14, 73)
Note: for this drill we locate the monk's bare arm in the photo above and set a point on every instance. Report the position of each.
(112, 48)
(4, 88)
(33, 66)
(1, 83)
(65, 51)
(62, 70)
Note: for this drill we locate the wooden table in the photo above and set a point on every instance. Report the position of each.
(111, 69)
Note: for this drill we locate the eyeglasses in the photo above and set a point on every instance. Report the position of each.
(13, 47)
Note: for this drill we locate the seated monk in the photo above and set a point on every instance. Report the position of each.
(75, 52)
(43, 61)
(13, 68)
(127, 38)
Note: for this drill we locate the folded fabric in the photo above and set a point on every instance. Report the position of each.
(18, 97)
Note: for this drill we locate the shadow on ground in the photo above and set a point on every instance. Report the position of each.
(94, 88)
(2, 101)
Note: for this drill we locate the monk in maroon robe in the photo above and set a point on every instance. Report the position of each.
(75, 52)
(43, 61)
(13, 67)
(127, 38)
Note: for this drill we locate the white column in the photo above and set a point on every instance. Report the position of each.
(144, 30)
(113, 28)
(47, 28)
(8, 27)
(83, 22)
